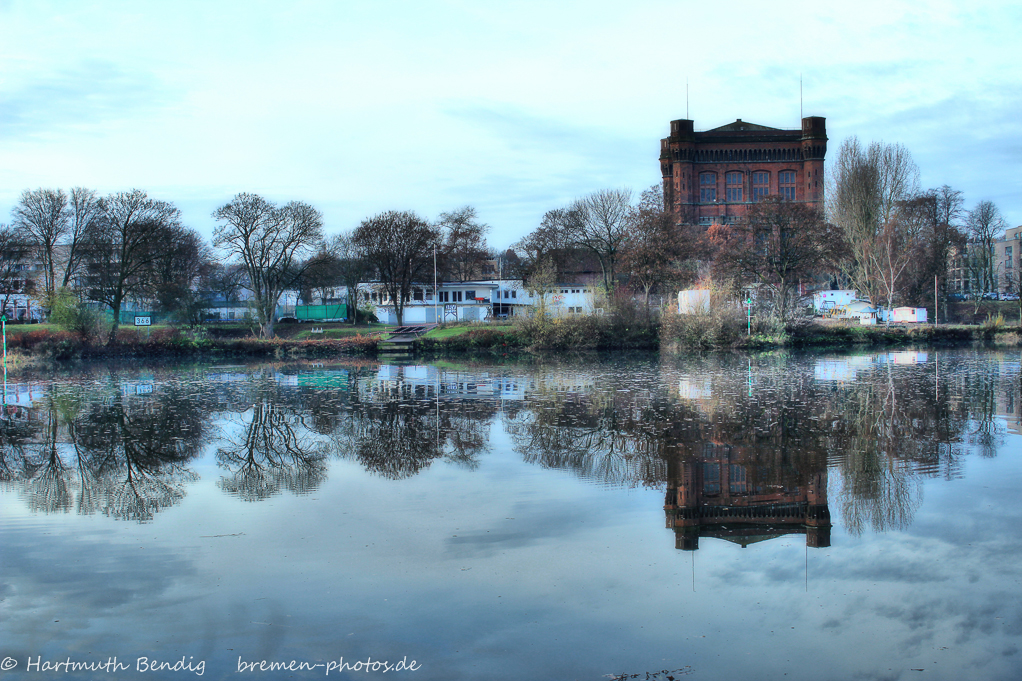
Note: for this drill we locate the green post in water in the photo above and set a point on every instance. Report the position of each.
(748, 303)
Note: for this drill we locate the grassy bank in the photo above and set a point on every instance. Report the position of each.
(538, 335)
(696, 333)
(43, 341)
(731, 329)
(535, 337)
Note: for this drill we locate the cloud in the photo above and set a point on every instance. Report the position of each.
(83, 97)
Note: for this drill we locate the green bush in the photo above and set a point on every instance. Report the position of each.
(72, 314)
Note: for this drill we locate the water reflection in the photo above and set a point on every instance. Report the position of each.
(271, 447)
(742, 448)
(102, 450)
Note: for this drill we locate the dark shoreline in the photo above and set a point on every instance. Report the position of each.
(495, 343)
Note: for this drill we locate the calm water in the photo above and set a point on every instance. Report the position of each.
(819, 517)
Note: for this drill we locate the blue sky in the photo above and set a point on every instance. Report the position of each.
(514, 108)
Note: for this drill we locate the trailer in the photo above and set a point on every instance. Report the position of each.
(909, 314)
(827, 302)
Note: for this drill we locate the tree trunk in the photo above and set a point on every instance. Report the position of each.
(116, 307)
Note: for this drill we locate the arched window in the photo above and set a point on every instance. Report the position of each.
(707, 187)
(733, 186)
(786, 184)
(760, 185)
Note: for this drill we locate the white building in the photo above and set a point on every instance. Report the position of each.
(461, 301)
(476, 301)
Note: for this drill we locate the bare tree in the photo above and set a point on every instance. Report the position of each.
(599, 223)
(985, 226)
(353, 266)
(464, 248)
(944, 238)
(85, 212)
(866, 187)
(895, 246)
(400, 246)
(13, 251)
(42, 216)
(224, 280)
(897, 174)
(321, 272)
(271, 243)
(132, 235)
(657, 252)
(780, 244)
(949, 205)
(547, 248)
(53, 221)
(173, 279)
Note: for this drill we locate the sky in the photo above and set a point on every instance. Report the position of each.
(514, 108)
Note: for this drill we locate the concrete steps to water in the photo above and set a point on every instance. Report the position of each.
(402, 339)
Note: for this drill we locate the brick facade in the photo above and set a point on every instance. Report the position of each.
(713, 176)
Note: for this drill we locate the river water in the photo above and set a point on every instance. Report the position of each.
(743, 516)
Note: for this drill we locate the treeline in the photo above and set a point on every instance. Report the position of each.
(127, 246)
(898, 240)
(879, 233)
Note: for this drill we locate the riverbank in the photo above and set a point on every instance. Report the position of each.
(29, 347)
(686, 337)
(170, 342)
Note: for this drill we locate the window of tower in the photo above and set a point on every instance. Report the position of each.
(707, 187)
(786, 183)
(760, 185)
(733, 186)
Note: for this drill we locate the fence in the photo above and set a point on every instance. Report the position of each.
(321, 313)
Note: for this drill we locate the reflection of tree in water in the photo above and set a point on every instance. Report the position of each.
(273, 452)
(603, 436)
(980, 391)
(396, 439)
(110, 453)
(774, 424)
(17, 435)
(883, 431)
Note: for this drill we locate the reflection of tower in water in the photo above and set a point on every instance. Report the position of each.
(733, 493)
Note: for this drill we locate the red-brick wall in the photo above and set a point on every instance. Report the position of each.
(744, 148)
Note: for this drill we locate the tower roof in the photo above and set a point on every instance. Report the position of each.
(740, 125)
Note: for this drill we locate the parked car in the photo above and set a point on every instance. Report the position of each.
(990, 295)
(1009, 296)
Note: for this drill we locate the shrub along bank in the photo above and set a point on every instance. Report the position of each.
(527, 335)
(540, 334)
(712, 331)
(729, 328)
(59, 344)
